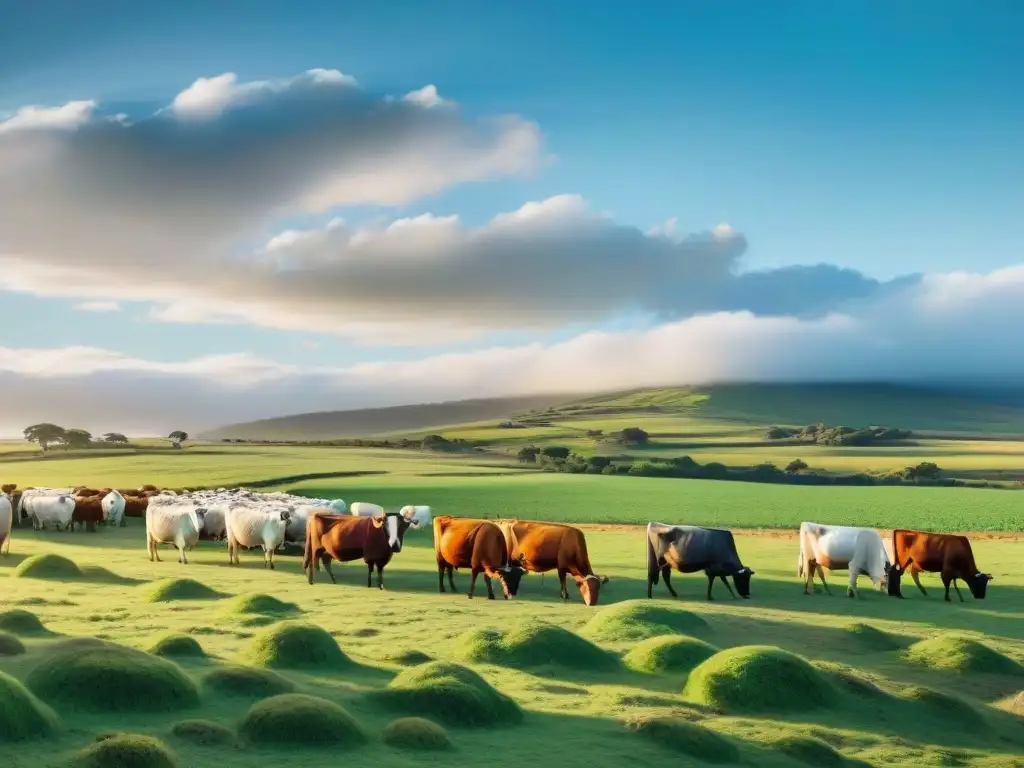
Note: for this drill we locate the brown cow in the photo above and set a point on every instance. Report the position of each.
(461, 542)
(88, 512)
(8, 488)
(345, 538)
(541, 547)
(942, 553)
(135, 506)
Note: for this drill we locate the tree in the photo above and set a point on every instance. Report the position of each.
(44, 434)
(556, 452)
(177, 437)
(528, 454)
(796, 465)
(595, 434)
(634, 436)
(926, 470)
(114, 437)
(76, 438)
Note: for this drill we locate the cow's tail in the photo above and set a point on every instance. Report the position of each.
(652, 559)
(308, 553)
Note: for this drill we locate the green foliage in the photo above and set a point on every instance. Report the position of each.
(247, 682)
(21, 622)
(416, 733)
(44, 435)
(10, 645)
(22, 715)
(822, 434)
(453, 694)
(296, 645)
(176, 644)
(555, 452)
(686, 738)
(124, 750)
(533, 644)
(639, 619)
(301, 720)
(76, 438)
(115, 437)
(632, 436)
(204, 733)
(167, 590)
(668, 653)
(112, 678)
(796, 465)
(528, 454)
(177, 438)
(956, 653)
(47, 566)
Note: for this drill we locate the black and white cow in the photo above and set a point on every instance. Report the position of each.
(688, 549)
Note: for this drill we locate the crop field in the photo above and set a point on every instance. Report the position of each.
(237, 666)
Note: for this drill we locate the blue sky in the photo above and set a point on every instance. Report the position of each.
(880, 137)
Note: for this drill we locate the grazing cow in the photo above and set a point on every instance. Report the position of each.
(6, 521)
(114, 505)
(942, 553)
(345, 538)
(135, 506)
(88, 511)
(255, 527)
(688, 549)
(421, 514)
(177, 524)
(840, 548)
(461, 542)
(49, 510)
(541, 547)
(365, 509)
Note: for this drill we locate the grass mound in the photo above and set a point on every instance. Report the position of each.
(112, 678)
(10, 645)
(758, 678)
(48, 566)
(205, 733)
(416, 733)
(22, 715)
(668, 653)
(871, 639)
(296, 645)
(455, 695)
(295, 718)
(806, 749)
(944, 707)
(20, 622)
(687, 738)
(259, 604)
(247, 682)
(167, 590)
(638, 619)
(126, 749)
(955, 653)
(409, 658)
(176, 644)
(848, 679)
(533, 645)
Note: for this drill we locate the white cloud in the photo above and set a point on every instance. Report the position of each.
(98, 306)
(427, 96)
(70, 115)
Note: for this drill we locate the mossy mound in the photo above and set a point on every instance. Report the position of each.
(112, 678)
(259, 604)
(124, 750)
(167, 590)
(806, 749)
(247, 682)
(872, 639)
(296, 645)
(22, 715)
(48, 566)
(416, 733)
(453, 694)
(176, 644)
(944, 707)
(533, 645)
(298, 719)
(758, 678)
(10, 645)
(955, 653)
(21, 622)
(638, 619)
(688, 738)
(668, 653)
(205, 733)
(849, 679)
(408, 658)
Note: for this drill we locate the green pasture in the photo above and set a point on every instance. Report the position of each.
(829, 681)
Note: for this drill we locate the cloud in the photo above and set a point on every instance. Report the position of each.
(70, 115)
(98, 306)
(934, 330)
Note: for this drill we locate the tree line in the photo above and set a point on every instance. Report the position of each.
(46, 435)
(822, 434)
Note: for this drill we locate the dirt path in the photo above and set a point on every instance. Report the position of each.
(786, 533)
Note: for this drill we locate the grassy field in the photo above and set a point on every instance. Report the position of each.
(592, 686)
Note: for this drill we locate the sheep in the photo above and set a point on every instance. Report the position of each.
(254, 527)
(177, 524)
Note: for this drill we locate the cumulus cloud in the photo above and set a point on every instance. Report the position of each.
(930, 330)
(98, 306)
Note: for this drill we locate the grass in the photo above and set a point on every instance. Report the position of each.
(10, 645)
(21, 622)
(247, 682)
(203, 733)
(638, 619)
(416, 733)
(135, 750)
(533, 645)
(295, 645)
(48, 566)
(301, 720)
(956, 653)
(22, 715)
(668, 653)
(175, 644)
(686, 738)
(169, 590)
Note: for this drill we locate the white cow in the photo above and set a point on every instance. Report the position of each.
(421, 514)
(173, 524)
(337, 506)
(113, 508)
(49, 510)
(6, 522)
(20, 512)
(215, 522)
(366, 509)
(840, 548)
(249, 526)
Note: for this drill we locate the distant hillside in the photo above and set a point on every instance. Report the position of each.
(331, 425)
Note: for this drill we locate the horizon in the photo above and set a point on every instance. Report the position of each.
(310, 208)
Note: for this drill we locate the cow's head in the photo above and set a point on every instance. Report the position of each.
(394, 526)
(201, 514)
(978, 584)
(893, 574)
(590, 588)
(510, 576)
(742, 579)
(286, 515)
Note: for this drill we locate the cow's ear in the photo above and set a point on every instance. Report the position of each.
(377, 521)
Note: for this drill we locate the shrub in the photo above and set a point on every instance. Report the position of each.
(296, 645)
(247, 681)
(175, 644)
(633, 436)
(529, 645)
(10, 645)
(639, 619)
(205, 733)
(416, 733)
(668, 653)
(22, 715)
(125, 749)
(295, 718)
(555, 452)
(796, 465)
(167, 590)
(687, 738)
(48, 566)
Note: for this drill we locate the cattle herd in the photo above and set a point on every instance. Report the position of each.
(327, 530)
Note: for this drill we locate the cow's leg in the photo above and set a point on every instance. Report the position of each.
(809, 567)
(957, 591)
(451, 578)
(369, 574)
(851, 590)
(561, 580)
(473, 573)
(821, 575)
(666, 574)
(269, 555)
(441, 568)
(490, 587)
(917, 579)
(711, 581)
(325, 561)
(380, 576)
(726, 582)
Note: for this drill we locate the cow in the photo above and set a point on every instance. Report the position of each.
(6, 521)
(214, 523)
(135, 506)
(177, 524)
(255, 527)
(345, 538)
(421, 514)
(49, 510)
(943, 553)
(541, 547)
(113, 504)
(688, 549)
(88, 512)
(479, 545)
(365, 509)
(840, 548)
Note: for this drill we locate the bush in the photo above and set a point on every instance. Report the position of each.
(247, 682)
(295, 645)
(47, 566)
(687, 738)
(205, 733)
(112, 678)
(555, 452)
(529, 645)
(796, 465)
(19, 622)
(132, 750)
(639, 619)
(633, 436)
(295, 718)
(22, 715)
(416, 733)
(668, 653)
(528, 454)
(10, 645)
(167, 590)
(176, 644)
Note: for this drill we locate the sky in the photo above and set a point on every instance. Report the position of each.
(213, 212)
